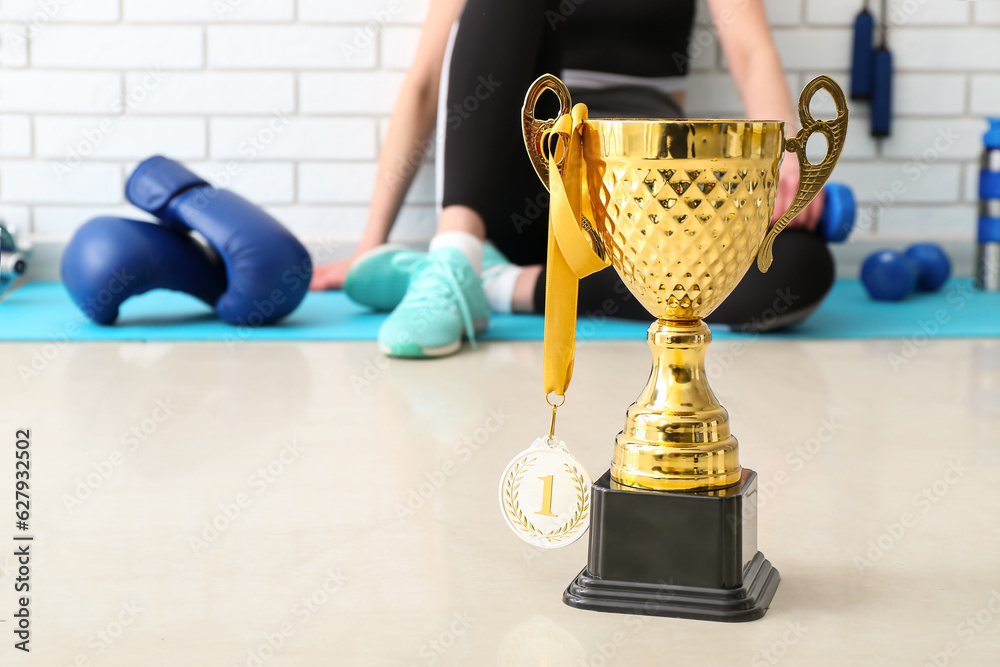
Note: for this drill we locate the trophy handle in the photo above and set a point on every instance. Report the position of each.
(812, 177)
(534, 129)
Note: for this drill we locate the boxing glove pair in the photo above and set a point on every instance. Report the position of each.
(209, 243)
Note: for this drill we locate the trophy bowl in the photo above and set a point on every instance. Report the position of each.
(681, 208)
(681, 230)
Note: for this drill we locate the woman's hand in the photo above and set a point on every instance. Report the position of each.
(788, 184)
(330, 276)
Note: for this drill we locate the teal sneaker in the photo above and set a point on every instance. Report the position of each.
(443, 304)
(379, 278)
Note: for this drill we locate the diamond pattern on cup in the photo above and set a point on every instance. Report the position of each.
(682, 233)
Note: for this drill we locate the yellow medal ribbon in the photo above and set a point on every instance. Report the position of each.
(571, 255)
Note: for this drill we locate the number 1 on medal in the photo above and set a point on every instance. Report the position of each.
(546, 496)
(537, 514)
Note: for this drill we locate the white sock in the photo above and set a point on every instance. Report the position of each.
(468, 244)
(498, 284)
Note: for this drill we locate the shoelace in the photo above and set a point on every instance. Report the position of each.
(433, 282)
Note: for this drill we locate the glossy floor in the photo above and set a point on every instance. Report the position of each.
(316, 504)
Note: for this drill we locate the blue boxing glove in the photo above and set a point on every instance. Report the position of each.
(109, 260)
(267, 268)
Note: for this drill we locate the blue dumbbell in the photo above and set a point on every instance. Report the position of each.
(839, 211)
(890, 275)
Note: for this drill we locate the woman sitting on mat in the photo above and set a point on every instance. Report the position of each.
(620, 58)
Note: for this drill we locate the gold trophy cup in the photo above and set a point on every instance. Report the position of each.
(681, 208)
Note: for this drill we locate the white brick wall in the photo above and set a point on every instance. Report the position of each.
(112, 47)
(211, 93)
(202, 11)
(43, 12)
(265, 97)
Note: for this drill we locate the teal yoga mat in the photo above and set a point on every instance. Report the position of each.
(44, 312)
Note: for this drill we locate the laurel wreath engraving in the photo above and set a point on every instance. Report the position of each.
(510, 501)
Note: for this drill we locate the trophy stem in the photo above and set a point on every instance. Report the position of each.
(676, 435)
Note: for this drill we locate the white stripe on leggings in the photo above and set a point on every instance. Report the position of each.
(442, 123)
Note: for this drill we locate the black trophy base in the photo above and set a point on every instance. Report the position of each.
(685, 555)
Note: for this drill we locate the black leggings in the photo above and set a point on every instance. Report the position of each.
(500, 48)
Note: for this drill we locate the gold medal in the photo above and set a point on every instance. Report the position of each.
(545, 495)
(545, 492)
